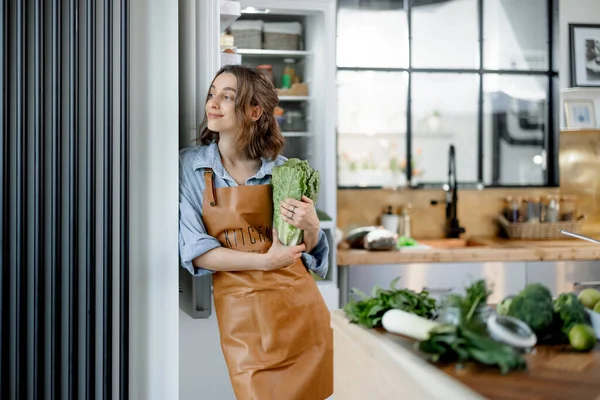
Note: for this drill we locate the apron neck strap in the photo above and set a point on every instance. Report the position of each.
(210, 187)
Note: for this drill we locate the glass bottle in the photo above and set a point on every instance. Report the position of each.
(289, 73)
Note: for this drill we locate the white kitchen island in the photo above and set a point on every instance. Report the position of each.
(373, 365)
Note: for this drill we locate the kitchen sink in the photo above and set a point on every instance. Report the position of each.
(451, 243)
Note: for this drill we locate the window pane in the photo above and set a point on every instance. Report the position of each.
(514, 129)
(369, 37)
(516, 34)
(445, 35)
(371, 126)
(444, 112)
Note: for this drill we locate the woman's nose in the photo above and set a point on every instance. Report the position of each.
(213, 103)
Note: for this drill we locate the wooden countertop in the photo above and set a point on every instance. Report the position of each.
(476, 250)
(389, 364)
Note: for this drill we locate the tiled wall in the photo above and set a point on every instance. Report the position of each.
(476, 208)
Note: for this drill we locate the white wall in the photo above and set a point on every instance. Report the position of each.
(154, 298)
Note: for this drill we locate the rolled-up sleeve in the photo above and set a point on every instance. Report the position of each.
(318, 259)
(193, 239)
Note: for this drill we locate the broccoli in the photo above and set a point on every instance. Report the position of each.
(534, 307)
(538, 291)
(569, 311)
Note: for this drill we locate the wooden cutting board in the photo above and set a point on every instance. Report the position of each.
(553, 373)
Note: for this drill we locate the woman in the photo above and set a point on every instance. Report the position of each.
(273, 322)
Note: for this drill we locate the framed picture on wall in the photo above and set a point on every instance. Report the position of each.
(585, 55)
(580, 114)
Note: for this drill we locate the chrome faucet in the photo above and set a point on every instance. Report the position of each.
(453, 228)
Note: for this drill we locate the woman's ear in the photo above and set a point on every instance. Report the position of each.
(255, 112)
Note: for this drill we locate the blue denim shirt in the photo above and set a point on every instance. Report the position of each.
(193, 239)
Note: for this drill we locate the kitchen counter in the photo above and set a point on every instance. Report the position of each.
(373, 363)
(475, 250)
(466, 250)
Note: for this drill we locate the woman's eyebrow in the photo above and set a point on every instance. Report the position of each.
(225, 88)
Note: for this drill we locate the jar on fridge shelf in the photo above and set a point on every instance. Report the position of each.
(294, 121)
(267, 69)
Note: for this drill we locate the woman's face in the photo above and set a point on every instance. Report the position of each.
(220, 107)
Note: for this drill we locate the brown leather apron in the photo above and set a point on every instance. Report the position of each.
(274, 325)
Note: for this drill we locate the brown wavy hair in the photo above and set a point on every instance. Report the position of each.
(260, 138)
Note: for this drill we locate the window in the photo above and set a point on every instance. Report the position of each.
(415, 76)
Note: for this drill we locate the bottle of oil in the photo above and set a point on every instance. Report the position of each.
(404, 223)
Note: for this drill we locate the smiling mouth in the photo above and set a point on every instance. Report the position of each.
(214, 116)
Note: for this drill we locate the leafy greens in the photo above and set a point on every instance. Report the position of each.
(369, 311)
(292, 180)
(469, 339)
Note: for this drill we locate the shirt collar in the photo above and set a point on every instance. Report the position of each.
(209, 157)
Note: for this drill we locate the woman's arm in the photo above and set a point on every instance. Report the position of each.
(202, 254)
(311, 238)
(193, 237)
(224, 259)
(317, 260)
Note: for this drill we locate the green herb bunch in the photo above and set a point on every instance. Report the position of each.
(368, 311)
(469, 339)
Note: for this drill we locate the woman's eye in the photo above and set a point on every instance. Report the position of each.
(227, 98)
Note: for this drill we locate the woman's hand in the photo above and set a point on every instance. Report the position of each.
(280, 256)
(301, 214)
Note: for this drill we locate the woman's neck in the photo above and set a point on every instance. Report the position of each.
(230, 154)
(234, 160)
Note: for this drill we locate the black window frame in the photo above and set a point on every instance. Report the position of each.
(552, 178)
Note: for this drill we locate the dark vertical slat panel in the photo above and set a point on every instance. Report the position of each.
(124, 206)
(14, 370)
(107, 202)
(56, 211)
(4, 222)
(90, 213)
(72, 264)
(20, 199)
(551, 145)
(4, 199)
(409, 130)
(38, 221)
(480, 135)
